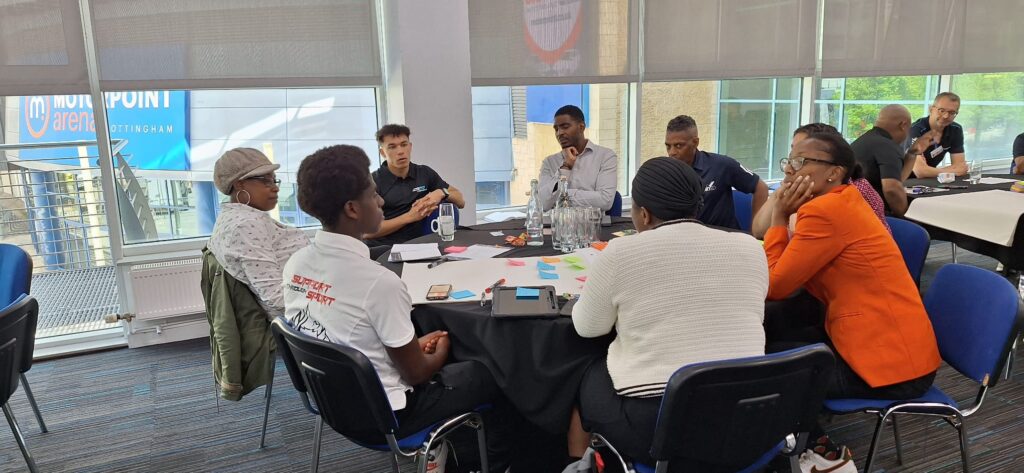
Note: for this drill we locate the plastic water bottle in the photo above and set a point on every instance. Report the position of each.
(534, 218)
(561, 205)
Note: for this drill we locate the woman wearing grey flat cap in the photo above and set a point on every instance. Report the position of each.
(250, 245)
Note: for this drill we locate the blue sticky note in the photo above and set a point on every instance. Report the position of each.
(527, 293)
(546, 275)
(543, 265)
(462, 294)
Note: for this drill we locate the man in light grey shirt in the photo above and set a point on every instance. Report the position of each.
(592, 170)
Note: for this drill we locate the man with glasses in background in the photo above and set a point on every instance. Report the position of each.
(939, 124)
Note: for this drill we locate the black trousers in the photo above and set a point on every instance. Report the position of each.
(627, 423)
(455, 389)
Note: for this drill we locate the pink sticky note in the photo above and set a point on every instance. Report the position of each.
(455, 249)
(515, 262)
(581, 278)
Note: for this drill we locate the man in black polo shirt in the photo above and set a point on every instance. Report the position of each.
(885, 165)
(411, 192)
(940, 121)
(719, 174)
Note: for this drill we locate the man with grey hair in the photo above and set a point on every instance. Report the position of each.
(947, 137)
(885, 165)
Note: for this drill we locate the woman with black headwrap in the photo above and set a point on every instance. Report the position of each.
(677, 293)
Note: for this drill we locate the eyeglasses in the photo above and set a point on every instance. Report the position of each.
(951, 113)
(797, 162)
(266, 180)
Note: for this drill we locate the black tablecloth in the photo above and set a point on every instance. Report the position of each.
(537, 363)
(1011, 256)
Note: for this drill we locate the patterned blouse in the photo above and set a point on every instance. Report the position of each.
(874, 200)
(253, 248)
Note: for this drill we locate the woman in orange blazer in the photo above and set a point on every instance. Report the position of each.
(840, 252)
(843, 256)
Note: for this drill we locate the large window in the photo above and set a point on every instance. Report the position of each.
(513, 133)
(991, 112)
(756, 121)
(173, 138)
(851, 105)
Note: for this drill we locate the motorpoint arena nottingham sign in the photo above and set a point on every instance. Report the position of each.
(155, 124)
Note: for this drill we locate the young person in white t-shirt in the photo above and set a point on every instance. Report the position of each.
(335, 292)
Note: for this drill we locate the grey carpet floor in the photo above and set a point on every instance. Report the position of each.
(153, 410)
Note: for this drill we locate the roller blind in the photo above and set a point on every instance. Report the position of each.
(534, 42)
(191, 44)
(892, 37)
(722, 39)
(41, 49)
(994, 36)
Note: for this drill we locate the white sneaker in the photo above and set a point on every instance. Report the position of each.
(811, 462)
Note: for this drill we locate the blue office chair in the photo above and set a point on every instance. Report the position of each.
(425, 223)
(742, 206)
(350, 398)
(616, 210)
(16, 269)
(976, 315)
(735, 415)
(913, 241)
(17, 337)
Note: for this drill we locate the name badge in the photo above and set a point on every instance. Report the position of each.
(420, 189)
(937, 151)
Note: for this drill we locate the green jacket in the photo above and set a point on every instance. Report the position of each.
(240, 339)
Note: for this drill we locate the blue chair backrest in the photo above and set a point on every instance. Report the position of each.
(742, 207)
(17, 341)
(728, 413)
(913, 241)
(976, 314)
(342, 381)
(16, 271)
(616, 210)
(425, 229)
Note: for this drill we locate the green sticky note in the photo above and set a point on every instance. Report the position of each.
(572, 259)
(578, 266)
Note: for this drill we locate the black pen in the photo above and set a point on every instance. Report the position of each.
(435, 263)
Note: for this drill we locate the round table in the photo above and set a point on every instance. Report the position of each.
(537, 363)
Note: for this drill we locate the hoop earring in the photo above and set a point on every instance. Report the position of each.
(248, 197)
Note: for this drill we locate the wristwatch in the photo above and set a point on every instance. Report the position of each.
(446, 193)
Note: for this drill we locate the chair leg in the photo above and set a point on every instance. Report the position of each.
(32, 402)
(481, 443)
(896, 437)
(216, 395)
(1009, 358)
(395, 468)
(874, 443)
(952, 247)
(317, 433)
(17, 436)
(964, 454)
(266, 412)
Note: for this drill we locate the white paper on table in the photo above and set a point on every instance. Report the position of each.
(479, 252)
(416, 251)
(995, 180)
(988, 215)
(478, 275)
(495, 217)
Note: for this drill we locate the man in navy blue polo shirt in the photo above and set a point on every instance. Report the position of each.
(720, 174)
(411, 191)
(944, 136)
(1017, 167)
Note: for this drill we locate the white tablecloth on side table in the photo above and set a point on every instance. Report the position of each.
(989, 215)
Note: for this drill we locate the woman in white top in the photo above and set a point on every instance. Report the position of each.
(679, 292)
(250, 245)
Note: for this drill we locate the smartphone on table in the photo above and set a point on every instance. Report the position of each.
(439, 292)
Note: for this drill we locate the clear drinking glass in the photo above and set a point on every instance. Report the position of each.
(594, 215)
(567, 229)
(444, 224)
(556, 243)
(974, 171)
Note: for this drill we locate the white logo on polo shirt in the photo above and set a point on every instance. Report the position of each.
(710, 187)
